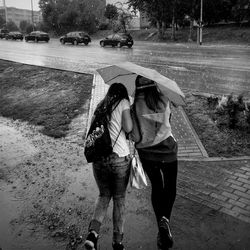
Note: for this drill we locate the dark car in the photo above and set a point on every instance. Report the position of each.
(3, 33)
(37, 36)
(14, 35)
(75, 38)
(118, 39)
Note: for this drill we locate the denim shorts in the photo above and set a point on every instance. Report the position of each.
(112, 175)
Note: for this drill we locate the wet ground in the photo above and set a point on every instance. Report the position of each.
(58, 179)
(208, 68)
(54, 190)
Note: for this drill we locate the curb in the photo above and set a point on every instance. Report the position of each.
(197, 139)
(215, 159)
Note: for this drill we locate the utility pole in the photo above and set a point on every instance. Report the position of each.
(6, 15)
(200, 36)
(32, 14)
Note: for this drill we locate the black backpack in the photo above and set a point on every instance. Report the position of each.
(98, 142)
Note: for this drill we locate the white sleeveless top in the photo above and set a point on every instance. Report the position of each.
(121, 146)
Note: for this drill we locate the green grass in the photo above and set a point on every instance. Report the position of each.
(42, 96)
(219, 141)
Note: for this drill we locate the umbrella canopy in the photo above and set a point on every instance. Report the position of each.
(127, 72)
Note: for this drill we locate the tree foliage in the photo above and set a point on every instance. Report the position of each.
(111, 12)
(24, 24)
(241, 11)
(66, 15)
(63, 15)
(163, 13)
(11, 26)
(2, 21)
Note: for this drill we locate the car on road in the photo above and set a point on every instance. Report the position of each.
(14, 35)
(118, 39)
(3, 33)
(37, 36)
(75, 38)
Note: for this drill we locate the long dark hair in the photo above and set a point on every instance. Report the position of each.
(152, 94)
(116, 93)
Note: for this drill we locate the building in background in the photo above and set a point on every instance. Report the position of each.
(18, 15)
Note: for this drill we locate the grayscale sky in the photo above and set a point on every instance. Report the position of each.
(22, 4)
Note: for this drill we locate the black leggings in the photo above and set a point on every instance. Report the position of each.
(163, 178)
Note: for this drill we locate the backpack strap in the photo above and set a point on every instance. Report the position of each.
(117, 138)
(121, 128)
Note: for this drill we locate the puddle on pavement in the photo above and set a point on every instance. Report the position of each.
(82, 182)
(82, 189)
(28, 236)
(22, 238)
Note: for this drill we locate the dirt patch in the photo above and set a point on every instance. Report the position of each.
(46, 97)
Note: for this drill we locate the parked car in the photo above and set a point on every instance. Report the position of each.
(37, 36)
(3, 33)
(14, 35)
(118, 39)
(75, 38)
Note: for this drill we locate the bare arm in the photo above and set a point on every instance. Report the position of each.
(127, 123)
(135, 133)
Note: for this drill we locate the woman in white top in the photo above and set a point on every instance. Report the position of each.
(112, 172)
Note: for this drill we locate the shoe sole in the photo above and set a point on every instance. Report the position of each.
(89, 245)
(167, 242)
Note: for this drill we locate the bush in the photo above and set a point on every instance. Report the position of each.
(104, 26)
(230, 111)
(248, 114)
(212, 101)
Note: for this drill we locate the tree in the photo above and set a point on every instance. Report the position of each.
(63, 15)
(29, 28)
(11, 26)
(111, 12)
(50, 13)
(42, 26)
(23, 25)
(159, 12)
(2, 21)
(68, 19)
(124, 19)
(241, 11)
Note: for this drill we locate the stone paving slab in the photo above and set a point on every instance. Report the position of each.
(223, 187)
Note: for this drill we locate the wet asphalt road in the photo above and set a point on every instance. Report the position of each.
(208, 68)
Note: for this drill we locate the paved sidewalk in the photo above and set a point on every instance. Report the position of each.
(222, 186)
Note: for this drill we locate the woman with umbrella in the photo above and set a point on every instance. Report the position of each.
(157, 149)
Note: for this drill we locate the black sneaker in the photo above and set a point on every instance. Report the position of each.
(91, 241)
(165, 238)
(118, 246)
(159, 243)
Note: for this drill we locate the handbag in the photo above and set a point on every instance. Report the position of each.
(137, 178)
